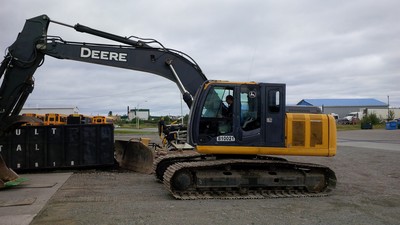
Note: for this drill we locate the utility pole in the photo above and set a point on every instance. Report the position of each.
(388, 109)
(137, 117)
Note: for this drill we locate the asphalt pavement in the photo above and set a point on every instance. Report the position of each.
(20, 205)
(371, 139)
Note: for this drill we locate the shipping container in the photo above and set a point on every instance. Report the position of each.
(59, 146)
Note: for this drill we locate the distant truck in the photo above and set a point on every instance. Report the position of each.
(352, 117)
(382, 114)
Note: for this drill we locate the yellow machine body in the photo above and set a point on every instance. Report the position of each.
(305, 135)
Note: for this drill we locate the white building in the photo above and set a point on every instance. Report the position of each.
(342, 107)
(44, 110)
(142, 114)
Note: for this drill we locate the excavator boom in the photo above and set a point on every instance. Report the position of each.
(33, 43)
(26, 54)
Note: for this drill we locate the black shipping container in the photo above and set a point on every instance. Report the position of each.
(55, 142)
(56, 147)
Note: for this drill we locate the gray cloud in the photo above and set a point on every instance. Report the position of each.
(320, 49)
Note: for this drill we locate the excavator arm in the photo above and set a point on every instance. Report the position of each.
(27, 53)
(16, 72)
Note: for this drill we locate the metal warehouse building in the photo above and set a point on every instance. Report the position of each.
(344, 106)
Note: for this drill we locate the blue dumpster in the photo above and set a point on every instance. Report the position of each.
(391, 125)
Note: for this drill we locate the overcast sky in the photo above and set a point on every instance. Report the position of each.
(320, 49)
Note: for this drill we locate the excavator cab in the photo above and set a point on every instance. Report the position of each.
(257, 118)
(258, 124)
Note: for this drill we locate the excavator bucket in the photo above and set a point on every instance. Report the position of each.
(134, 155)
(8, 177)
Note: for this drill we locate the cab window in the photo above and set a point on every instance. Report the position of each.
(216, 102)
(250, 107)
(215, 120)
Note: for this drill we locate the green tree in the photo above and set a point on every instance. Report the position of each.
(371, 118)
(167, 119)
(391, 115)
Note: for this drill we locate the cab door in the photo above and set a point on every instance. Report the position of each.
(274, 106)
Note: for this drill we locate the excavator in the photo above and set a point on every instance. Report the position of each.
(234, 154)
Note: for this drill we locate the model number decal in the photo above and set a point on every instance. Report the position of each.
(225, 138)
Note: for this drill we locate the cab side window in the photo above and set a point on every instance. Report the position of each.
(250, 107)
(274, 101)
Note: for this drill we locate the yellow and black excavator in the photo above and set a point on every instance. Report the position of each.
(233, 140)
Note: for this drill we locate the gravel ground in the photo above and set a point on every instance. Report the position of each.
(367, 193)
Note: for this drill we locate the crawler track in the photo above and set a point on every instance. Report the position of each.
(161, 164)
(247, 179)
